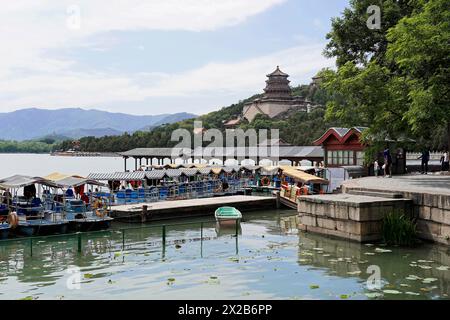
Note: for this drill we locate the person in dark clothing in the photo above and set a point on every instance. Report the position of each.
(387, 162)
(425, 156)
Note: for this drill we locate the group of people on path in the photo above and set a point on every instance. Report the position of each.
(424, 157)
(386, 167)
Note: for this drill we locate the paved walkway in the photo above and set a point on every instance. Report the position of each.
(408, 183)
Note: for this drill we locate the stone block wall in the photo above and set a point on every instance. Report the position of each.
(432, 212)
(354, 220)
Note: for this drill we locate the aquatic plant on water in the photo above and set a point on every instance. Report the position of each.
(399, 229)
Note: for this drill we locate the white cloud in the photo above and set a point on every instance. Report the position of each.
(98, 89)
(29, 77)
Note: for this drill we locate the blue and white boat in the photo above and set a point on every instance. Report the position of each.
(33, 219)
(90, 214)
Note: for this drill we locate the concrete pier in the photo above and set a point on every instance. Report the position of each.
(354, 217)
(357, 213)
(430, 195)
(189, 208)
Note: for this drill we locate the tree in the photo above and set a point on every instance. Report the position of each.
(420, 47)
(395, 81)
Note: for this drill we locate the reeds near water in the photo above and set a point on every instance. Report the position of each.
(399, 229)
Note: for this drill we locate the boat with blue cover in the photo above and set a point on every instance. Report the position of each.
(33, 218)
(84, 211)
(81, 218)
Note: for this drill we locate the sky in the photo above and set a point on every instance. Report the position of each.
(155, 56)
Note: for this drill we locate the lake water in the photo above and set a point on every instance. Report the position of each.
(44, 164)
(269, 260)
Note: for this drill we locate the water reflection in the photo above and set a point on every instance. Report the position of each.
(269, 259)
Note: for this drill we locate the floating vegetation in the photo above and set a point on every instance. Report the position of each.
(213, 280)
(170, 281)
(314, 286)
(404, 285)
(392, 291)
(344, 296)
(88, 275)
(443, 268)
(424, 267)
(413, 277)
(373, 295)
(398, 229)
(380, 250)
(429, 280)
(28, 298)
(354, 272)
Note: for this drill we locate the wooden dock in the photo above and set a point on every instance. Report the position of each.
(165, 210)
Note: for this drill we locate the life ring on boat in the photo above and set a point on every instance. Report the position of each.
(265, 181)
(100, 213)
(13, 220)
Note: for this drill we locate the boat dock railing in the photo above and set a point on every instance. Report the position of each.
(78, 237)
(179, 191)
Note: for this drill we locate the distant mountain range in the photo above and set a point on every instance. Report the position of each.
(33, 123)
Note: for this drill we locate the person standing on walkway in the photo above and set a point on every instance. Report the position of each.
(376, 168)
(387, 162)
(425, 156)
(445, 161)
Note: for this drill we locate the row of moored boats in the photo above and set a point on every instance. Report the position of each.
(35, 206)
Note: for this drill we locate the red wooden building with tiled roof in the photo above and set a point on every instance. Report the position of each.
(342, 147)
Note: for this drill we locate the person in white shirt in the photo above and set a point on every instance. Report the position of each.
(445, 161)
(376, 168)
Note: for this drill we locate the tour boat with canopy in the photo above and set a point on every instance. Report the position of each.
(26, 212)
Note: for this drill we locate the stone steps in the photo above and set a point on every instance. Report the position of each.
(379, 194)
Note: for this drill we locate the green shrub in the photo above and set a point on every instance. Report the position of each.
(399, 229)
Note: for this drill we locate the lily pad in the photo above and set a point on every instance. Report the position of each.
(429, 280)
(443, 268)
(424, 267)
(382, 250)
(373, 295)
(391, 291)
(344, 296)
(314, 286)
(413, 277)
(354, 272)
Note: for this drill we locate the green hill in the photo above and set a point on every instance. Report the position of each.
(299, 128)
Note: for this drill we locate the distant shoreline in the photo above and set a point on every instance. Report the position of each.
(67, 154)
(84, 154)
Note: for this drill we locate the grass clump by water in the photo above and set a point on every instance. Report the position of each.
(399, 229)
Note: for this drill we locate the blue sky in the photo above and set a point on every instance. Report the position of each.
(151, 57)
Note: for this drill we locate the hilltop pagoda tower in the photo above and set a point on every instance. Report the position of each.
(277, 98)
(278, 86)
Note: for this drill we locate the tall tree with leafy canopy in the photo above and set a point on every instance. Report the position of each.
(393, 80)
(420, 47)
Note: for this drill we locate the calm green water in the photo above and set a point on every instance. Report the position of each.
(269, 260)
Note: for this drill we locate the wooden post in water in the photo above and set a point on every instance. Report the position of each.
(201, 239)
(79, 242)
(123, 240)
(278, 199)
(144, 213)
(163, 241)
